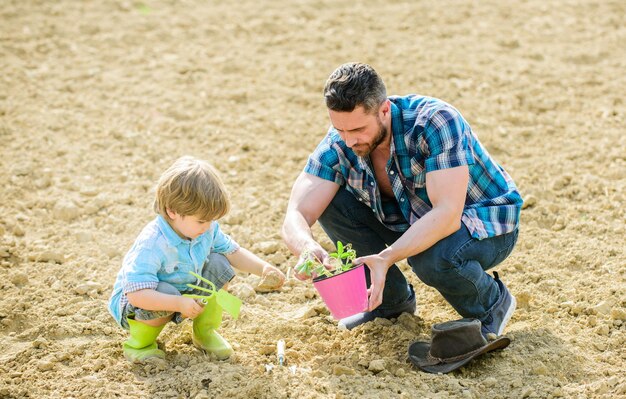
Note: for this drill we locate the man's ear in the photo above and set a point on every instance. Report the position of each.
(385, 108)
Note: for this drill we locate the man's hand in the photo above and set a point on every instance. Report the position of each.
(314, 252)
(189, 307)
(378, 274)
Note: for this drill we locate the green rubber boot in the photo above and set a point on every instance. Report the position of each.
(204, 335)
(142, 342)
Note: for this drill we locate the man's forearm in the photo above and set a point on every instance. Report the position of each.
(149, 299)
(428, 230)
(296, 232)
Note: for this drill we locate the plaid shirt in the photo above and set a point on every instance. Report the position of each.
(427, 135)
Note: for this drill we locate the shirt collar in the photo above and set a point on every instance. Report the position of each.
(397, 131)
(168, 232)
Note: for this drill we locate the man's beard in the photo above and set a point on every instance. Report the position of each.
(368, 148)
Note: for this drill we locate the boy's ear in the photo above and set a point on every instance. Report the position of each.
(170, 213)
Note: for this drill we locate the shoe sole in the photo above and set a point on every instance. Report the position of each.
(507, 316)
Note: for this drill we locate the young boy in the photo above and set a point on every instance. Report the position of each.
(184, 237)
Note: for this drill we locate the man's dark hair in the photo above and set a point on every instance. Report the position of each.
(354, 84)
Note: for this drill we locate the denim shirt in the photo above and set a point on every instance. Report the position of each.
(427, 134)
(159, 254)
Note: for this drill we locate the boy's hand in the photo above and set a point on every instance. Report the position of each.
(271, 279)
(188, 307)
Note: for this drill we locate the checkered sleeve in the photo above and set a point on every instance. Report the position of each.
(449, 140)
(132, 287)
(324, 163)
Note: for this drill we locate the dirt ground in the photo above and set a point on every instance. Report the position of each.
(98, 98)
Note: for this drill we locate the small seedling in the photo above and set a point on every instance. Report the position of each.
(344, 257)
(342, 260)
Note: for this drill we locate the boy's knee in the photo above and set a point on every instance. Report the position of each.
(218, 270)
(218, 261)
(156, 322)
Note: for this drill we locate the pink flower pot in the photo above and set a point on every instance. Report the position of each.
(345, 294)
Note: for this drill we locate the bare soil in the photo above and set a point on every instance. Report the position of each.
(98, 98)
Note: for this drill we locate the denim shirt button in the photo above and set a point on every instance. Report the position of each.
(371, 183)
(391, 172)
(401, 199)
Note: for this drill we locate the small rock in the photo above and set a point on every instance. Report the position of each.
(19, 278)
(338, 369)
(277, 258)
(47, 256)
(268, 247)
(235, 218)
(110, 251)
(603, 307)
(529, 201)
(18, 231)
(83, 236)
(400, 372)
(523, 299)
(540, 369)
(490, 382)
(22, 170)
(243, 291)
(87, 287)
(267, 349)
(376, 366)
(599, 345)
(383, 322)
(99, 365)
(592, 321)
(270, 282)
(618, 314)
(309, 313)
(65, 210)
(602, 330)
(45, 365)
(40, 342)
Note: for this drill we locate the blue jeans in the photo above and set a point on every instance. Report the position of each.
(455, 265)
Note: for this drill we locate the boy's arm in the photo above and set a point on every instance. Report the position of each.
(149, 299)
(246, 261)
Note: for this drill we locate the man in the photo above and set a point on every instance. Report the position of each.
(406, 178)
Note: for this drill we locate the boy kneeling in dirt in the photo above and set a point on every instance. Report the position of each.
(183, 238)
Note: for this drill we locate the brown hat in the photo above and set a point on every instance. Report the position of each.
(454, 344)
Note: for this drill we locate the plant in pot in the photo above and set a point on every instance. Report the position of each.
(343, 287)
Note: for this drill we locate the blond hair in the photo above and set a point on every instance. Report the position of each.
(192, 187)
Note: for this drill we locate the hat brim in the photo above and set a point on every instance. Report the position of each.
(418, 355)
